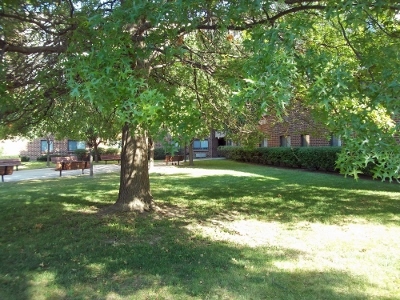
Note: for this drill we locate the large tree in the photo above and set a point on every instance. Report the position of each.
(176, 64)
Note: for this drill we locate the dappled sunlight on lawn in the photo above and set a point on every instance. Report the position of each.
(39, 282)
(219, 230)
(198, 172)
(361, 250)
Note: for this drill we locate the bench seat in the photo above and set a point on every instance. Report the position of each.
(175, 159)
(11, 162)
(6, 170)
(110, 157)
(69, 163)
(56, 159)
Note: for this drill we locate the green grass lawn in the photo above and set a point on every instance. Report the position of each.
(30, 165)
(222, 230)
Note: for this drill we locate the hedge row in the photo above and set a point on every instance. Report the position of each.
(102, 150)
(312, 158)
(159, 153)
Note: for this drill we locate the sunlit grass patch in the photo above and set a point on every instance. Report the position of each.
(361, 250)
(278, 193)
(30, 165)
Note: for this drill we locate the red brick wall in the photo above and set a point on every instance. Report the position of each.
(296, 123)
(33, 148)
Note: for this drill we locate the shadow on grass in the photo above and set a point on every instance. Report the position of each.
(74, 255)
(281, 200)
(53, 245)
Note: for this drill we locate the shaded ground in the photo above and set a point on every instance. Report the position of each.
(249, 232)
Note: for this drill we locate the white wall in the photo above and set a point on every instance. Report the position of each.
(12, 147)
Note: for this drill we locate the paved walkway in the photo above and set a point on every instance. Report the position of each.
(40, 174)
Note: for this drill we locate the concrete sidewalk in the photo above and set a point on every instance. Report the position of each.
(40, 174)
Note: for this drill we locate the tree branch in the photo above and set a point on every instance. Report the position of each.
(205, 68)
(31, 50)
(267, 21)
(358, 54)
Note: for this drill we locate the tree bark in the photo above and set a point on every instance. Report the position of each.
(151, 152)
(134, 190)
(96, 151)
(91, 161)
(191, 153)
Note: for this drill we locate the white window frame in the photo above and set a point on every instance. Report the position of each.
(284, 140)
(45, 143)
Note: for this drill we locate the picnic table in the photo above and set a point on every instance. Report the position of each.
(173, 159)
(11, 162)
(69, 163)
(5, 169)
(7, 166)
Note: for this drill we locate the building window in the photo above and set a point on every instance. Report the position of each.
(335, 141)
(44, 146)
(230, 143)
(73, 145)
(285, 140)
(264, 143)
(305, 140)
(200, 145)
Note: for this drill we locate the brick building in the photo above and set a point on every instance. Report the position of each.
(202, 148)
(38, 147)
(297, 129)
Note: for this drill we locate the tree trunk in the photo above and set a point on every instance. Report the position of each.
(151, 152)
(134, 190)
(91, 161)
(191, 153)
(96, 151)
(185, 152)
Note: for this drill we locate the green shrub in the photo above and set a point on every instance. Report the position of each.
(319, 158)
(42, 158)
(81, 154)
(111, 151)
(285, 157)
(312, 158)
(369, 169)
(25, 158)
(101, 150)
(230, 152)
(159, 153)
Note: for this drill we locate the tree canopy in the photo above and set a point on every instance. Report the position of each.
(182, 66)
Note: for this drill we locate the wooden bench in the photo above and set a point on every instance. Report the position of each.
(11, 162)
(58, 159)
(69, 163)
(110, 157)
(6, 170)
(175, 159)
